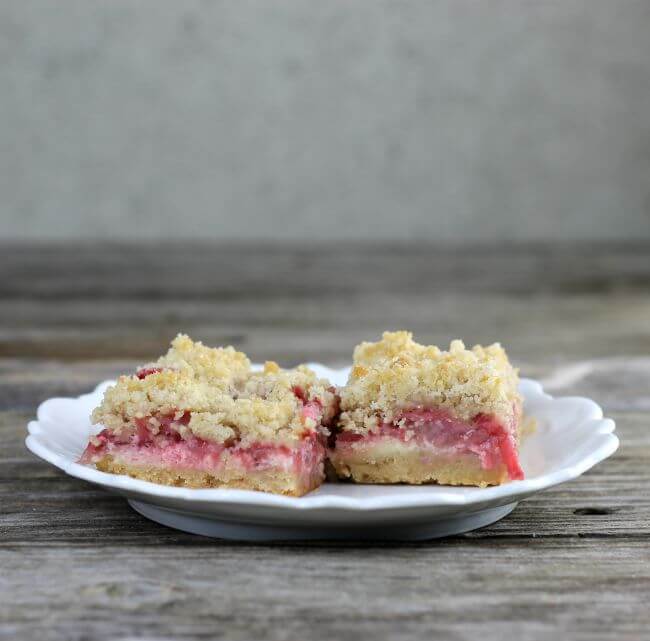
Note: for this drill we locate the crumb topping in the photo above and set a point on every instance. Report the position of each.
(396, 373)
(224, 398)
(221, 365)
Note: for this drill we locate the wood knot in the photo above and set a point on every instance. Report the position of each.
(594, 511)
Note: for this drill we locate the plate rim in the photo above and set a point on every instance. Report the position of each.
(457, 497)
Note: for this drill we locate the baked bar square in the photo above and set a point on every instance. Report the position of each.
(201, 417)
(414, 414)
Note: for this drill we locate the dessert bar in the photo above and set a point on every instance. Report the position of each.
(414, 414)
(201, 417)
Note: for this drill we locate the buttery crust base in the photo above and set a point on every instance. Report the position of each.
(267, 481)
(413, 466)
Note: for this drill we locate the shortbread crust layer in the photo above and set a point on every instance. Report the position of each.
(275, 482)
(398, 462)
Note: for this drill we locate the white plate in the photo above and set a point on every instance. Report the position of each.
(571, 437)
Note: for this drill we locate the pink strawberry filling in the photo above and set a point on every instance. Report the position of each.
(167, 448)
(484, 436)
(310, 409)
(145, 371)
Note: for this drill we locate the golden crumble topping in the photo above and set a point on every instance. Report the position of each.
(218, 364)
(224, 397)
(396, 373)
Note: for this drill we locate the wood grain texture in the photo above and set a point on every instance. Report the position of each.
(570, 563)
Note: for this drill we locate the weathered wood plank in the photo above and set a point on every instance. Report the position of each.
(221, 272)
(223, 591)
(315, 303)
(543, 328)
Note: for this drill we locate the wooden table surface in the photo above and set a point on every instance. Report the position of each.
(78, 563)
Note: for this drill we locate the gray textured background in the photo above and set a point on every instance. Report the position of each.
(288, 120)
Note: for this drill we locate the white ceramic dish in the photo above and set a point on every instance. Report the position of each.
(571, 437)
